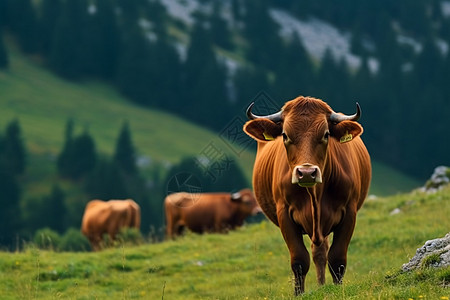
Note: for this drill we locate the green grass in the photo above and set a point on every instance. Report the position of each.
(250, 263)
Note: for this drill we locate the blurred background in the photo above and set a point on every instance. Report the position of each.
(116, 98)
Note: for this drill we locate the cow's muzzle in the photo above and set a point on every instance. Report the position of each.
(306, 175)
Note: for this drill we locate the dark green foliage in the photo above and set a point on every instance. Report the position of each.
(12, 149)
(48, 211)
(78, 156)
(10, 219)
(295, 74)
(84, 155)
(3, 13)
(125, 154)
(22, 20)
(4, 58)
(204, 82)
(229, 179)
(134, 66)
(73, 240)
(102, 41)
(56, 208)
(248, 82)
(47, 238)
(261, 32)
(49, 14)
(66, 57)
(220, 32)
(64, 159)
(106, 181)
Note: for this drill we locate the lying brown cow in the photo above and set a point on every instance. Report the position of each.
(208, 212)
(108, 217)
(311, 176)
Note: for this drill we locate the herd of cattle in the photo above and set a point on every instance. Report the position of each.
(311, 176)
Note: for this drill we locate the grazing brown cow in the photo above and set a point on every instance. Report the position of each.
(210, 212)
(108, 217)
(311, 175)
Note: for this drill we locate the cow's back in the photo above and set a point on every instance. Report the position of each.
(95, 214)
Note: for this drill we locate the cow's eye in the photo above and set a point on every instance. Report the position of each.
(285, 137)
(326, 135)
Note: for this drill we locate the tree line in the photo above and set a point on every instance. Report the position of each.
(57, 215)
(132, 45)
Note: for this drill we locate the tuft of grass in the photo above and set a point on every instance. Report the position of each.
(431, 260)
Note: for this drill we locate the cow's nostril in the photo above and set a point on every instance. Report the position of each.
(299, 173)
(314, 173)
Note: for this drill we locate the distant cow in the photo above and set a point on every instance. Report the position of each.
(208, 212)
(108, 217)
(311, 175)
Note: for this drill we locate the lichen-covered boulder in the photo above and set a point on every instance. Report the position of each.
(439, 178)
(434, 253)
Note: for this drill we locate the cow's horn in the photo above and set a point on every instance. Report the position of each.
(336, 118)
(236, 196)
(276, 117)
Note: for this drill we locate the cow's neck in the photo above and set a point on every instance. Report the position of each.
(317, 237)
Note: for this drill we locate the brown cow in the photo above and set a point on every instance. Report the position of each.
(311, 175)
(210, 212)
(108, 217)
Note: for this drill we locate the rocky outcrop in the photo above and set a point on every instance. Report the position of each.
(434, 253)
(439, 178)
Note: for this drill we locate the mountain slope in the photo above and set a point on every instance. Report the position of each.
(43, 103)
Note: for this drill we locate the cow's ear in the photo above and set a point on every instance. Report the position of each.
(346, 131)
(263, 129)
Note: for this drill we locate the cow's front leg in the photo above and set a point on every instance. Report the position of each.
(292, 234)
(337, 256)
(319, 254)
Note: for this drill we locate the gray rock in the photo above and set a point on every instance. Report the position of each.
(439, 178)
(434, 253)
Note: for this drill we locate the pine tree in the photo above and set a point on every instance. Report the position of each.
(50, 13)
(204, 81)
(261, 32)
(125, 154)
(220, 33)
(84, 156)
(55, 207)
(4, 59)
(295, 73)
(23, 22)
(326, 76)
(3, 13)
(66, 57)
(65, 157)
(102, 44)
(135, 66)
(107, 181)
(248, 82)
(10, 218)
(14, 154)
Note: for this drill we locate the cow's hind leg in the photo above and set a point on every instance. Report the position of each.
(337, 256)
(319, 254)
(293, 236)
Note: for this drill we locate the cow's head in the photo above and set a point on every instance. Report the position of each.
(305, 126)
(246, 201)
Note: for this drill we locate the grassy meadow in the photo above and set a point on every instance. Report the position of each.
(250, 263)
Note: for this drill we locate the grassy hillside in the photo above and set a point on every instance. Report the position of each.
(43, 103)
(251, 263)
